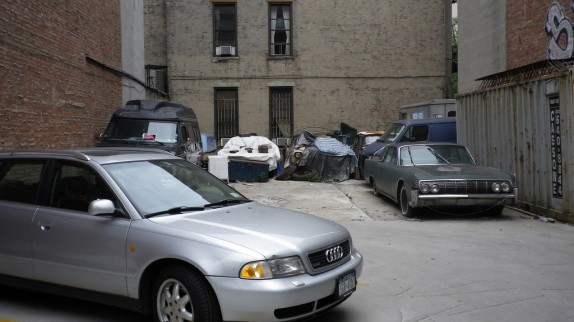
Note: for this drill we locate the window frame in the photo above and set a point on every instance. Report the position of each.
(217, 28)
(56, 168)
(289, 30)
(235, 112)
(272, 114)
(7, 165)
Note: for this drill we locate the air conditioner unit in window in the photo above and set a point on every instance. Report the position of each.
(281, 141)
(223, 141)
(225, 51)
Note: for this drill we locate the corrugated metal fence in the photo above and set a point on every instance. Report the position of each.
(526, 128)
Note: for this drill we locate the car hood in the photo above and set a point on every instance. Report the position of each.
(470, 172)
(269, 231)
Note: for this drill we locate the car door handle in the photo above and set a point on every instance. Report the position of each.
(45, 226)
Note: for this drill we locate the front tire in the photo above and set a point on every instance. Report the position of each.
(182, 295)
(375, 191)
(406, 209)
(496, 211)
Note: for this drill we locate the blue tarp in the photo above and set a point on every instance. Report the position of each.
(331, 146)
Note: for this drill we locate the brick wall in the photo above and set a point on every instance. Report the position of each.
(527, 39)
(51, 96)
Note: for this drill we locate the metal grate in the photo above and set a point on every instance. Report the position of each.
(465, 186)
(281, 112)
(226, 113)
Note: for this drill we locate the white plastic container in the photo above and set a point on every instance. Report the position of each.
(218, 166)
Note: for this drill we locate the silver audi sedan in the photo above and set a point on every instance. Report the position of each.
(146, 230)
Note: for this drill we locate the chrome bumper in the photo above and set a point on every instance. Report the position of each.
(463, 200)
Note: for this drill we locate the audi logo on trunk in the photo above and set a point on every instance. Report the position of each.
(334, 254)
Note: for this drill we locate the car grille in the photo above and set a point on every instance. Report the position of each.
(465, 186)
(330, 256)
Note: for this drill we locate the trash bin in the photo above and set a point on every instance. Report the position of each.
(248, 171)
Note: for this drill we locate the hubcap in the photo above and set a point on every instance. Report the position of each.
(174, 303)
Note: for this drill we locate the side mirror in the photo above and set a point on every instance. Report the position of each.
(101, 207)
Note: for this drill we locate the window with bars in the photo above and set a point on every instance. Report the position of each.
(280, 26)
(226, 113)
(281, 112)
(224, 30)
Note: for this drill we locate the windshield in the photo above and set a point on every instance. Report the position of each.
(163, 185)
(391, 133)
(141, 130)
(435, 154)
(370, 139)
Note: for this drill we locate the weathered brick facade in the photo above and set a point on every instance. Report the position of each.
(528, 28)
(51, 96)
(353, 62)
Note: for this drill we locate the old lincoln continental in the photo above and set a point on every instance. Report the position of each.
(442, 176)
(148, 230)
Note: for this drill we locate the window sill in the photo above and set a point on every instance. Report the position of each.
(216, 59)
(280, 57)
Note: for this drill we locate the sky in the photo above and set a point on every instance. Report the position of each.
(455, 10)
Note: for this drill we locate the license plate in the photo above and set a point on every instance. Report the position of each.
(346, 284)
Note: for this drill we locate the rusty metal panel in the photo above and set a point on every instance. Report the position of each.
(511, 128)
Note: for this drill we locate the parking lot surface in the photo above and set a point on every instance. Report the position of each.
(438, 267)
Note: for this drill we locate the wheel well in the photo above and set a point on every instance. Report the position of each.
(147, 280)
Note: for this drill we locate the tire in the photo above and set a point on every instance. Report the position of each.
(496, 211)
(182, 295)
(406, 209)
(375, 191)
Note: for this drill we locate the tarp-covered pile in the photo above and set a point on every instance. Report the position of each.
(323, 157)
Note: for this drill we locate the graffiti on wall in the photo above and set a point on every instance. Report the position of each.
(560, 30)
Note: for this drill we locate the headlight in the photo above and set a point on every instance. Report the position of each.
(434, 188)
(505, 187)
(425, 188)
(496, 187)
(275, 268)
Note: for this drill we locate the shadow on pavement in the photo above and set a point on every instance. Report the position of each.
(36, 306)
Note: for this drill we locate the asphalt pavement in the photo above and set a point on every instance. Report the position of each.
(438, 267)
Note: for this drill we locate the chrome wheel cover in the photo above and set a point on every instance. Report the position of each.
(173, 302)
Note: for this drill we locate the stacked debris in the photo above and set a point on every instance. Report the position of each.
(312, 158)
